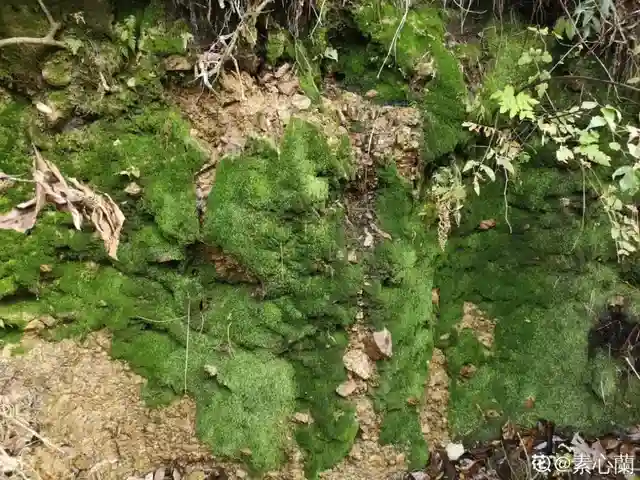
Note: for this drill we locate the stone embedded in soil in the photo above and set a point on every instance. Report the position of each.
(288, 88)
(301, 417)
(359, 363)
(383, 343)
(301, 102)
(347, 388)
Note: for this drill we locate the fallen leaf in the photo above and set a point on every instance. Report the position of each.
(530, 402)
(133, 189)
(78, 200)
(435, 296)
(468, 370)
(44, 268)
(487, 224)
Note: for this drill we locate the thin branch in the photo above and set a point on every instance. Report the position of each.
(48, 39)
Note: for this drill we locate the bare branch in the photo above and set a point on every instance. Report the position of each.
(48, 39)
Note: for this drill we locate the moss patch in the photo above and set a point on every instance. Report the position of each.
(539, 283)
(402, 276)
(422, 36)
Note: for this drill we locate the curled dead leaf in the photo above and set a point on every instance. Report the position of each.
(487, 224)
(78, 200)
(435, 296)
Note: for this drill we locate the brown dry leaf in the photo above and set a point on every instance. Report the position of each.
(487, 224)
(435, 296)
(78, 200)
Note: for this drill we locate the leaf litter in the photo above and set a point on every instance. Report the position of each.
(68, 196)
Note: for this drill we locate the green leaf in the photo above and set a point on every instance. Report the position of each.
(596, 122)
(588, 105)
(622, 171)
(614, 146)
(634, 150)
(546, 57)
(469, 165)
(476, 186)
(594, 154)
(615, 233)
(507, 165)
(489, 171)
(525, 59)
(610, 114)
(563, 154)
(541, 89)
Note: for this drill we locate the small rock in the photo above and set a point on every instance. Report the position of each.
(149, 476)
(211, 370)
(133, 189)
(196, 475)
(177, 63)
(176, 475)
(418, 476)
(347, 388)
(454, 451)
(301, 102)
(352, 257)
(241, 473)
(382, 341)
(358, 362)
(159, 475)
(48, 320)
(371, 94)
(301, 417)
(288, 88)
(279, 73)
(34, 326)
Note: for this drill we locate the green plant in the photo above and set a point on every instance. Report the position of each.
(593, 137)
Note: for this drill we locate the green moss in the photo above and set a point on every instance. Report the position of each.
(58, 70)
(159, 36)
(276, 44)
(541, 283)
(271, 209)
(422, 35)
(402, 276)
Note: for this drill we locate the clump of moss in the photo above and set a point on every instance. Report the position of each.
(272, 210)
(402, 279)
(539, 281)
(422, 35)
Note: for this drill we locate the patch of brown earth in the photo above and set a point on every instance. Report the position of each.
(82, 416)
(433, 413)
(477, 321)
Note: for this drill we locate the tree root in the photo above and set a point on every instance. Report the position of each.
(48, 39)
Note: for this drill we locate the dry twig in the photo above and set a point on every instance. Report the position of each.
(48, 39)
